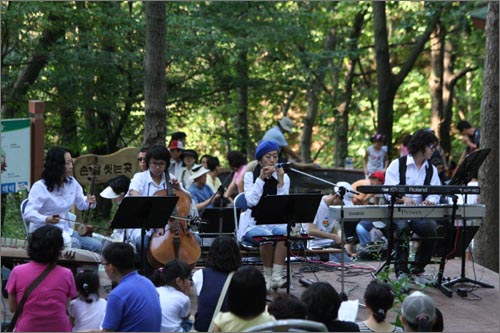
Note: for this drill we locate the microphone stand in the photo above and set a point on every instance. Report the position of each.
(341, 191)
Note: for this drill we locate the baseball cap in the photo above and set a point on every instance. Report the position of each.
(286, 123)
(176, 144)
(418, 305)
(378, 175)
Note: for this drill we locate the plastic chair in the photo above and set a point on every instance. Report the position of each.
(25, 223)
(289, 325)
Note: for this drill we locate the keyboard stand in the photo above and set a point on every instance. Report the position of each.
(390, 239)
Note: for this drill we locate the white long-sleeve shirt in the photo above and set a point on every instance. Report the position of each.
(253, 193)
(42, 203)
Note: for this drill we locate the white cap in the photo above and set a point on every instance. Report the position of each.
(108, 193)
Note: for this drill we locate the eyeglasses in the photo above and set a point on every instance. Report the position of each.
(141, 159)
(432, 146)
(105, 263)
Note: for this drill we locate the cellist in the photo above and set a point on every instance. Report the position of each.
(152, 181)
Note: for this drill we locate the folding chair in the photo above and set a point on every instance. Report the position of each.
(289, 325)
(26, 224)
(239, 206)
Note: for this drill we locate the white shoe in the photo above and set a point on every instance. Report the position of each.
(278, 283)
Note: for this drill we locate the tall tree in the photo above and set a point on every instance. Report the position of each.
(486, 239)
(388, 82)
(155, 91)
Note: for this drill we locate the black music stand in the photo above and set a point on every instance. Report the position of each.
(144, 212)
(467, 170)
(289, 210)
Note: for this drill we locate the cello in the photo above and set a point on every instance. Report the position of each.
(177, 242)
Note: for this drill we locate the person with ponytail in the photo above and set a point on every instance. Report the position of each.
(173, 286)
(379, 299)
(87, 310)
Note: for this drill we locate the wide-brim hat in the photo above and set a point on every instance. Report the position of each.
(286, 123)
(108, 193)
(198, 172)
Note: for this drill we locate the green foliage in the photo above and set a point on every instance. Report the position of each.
(95, 73)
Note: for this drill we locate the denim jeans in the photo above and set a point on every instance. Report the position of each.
(85, 243)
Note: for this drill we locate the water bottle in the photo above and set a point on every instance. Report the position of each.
(348, 163)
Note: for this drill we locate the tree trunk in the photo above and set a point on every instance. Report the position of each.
(436, 75)
(313, 97)
(387, 82)
(155, 129)
(486, 239)
(242, 89)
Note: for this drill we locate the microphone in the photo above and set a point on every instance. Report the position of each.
(282, 165)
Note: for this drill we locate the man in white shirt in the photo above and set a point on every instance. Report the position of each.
(414, 169)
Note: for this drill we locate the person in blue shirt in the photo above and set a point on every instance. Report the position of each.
(202, 195)
(133, 305)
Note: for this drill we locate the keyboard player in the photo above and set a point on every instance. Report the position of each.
(415, 170)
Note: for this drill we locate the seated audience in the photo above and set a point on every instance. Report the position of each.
(379, 299)
(246, 302)
(44, 247)
(323, 304)
(133, 305)
(418, 312)
(172, 284)
(87, 310)
(287, 306)
(223, 257)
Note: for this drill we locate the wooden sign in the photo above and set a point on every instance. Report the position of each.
(122, 162)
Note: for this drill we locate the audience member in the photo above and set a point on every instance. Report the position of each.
(189, 159)
(266, 179)
(414, 170)
(379, 299)
(179, 136)
(51, 198)
(376, 156)
(202, 194)
(204, 159)
(223, 257)
(276, 134)
(237, 162)
(141, 159)
(213, 181)
(323, 304)
(86, 312)
(174, 296)
(418, 312)
(471, 136)
(133, 305)
(175, 149)
(404, 145)
(246, 301)
(44, 247)
(287, 306)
